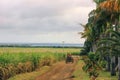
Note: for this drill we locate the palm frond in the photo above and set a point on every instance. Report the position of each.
(113, 33)
(98, 1)
(107, 41)
(110, 5)
(108, 50)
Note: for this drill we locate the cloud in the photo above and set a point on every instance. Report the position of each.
(38, 17)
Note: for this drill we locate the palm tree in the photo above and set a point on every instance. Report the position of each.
(112, 47)
(113, 8)
(106, 14)
(119, 55)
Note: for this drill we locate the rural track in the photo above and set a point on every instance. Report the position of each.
(59, 71)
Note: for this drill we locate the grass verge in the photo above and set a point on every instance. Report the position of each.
(31, 75)
(81, 75)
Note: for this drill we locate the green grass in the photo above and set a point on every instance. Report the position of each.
(103, 75)
(16, 55)
(81, 75)
(20, 60)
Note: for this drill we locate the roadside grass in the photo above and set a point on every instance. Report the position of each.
(103, 75)
(31, 75)
(78, 74)
(81, 75)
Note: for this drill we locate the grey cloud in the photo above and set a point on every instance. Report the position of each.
(41, 16)
(50, 8)
(42, 20)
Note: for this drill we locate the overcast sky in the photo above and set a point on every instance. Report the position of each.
(41, 21)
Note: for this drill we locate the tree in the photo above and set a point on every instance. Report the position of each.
(106, 16)
(111, 48)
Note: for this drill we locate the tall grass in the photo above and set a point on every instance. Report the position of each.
(20, 60)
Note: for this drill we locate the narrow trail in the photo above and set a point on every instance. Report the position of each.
(59, 71)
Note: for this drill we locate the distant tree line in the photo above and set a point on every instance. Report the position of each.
(25, 46)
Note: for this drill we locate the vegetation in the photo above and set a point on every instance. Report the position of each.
(78, 73)
(102, 34)
(31, 75)
(20, 60)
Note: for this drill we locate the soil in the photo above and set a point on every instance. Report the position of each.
(59, 71)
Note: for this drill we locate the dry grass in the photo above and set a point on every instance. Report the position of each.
(31, 75)
(78, 74)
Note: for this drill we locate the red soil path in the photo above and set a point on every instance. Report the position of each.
(59, 71)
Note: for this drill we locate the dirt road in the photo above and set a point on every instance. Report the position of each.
(59, 71)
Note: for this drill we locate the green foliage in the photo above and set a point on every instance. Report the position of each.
(110, 44)
(91, 64)
(93, 57)
(98, 1)
(103, 63)
(103, 27)
(83, 52)
(86, 48)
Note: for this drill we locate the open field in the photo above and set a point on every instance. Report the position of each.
(20, 60)
(15, 55)
(33, 63)
(38, 50)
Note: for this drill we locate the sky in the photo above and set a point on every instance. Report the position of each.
(43, 21)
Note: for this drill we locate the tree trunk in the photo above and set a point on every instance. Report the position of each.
(118, 68)
(113, 73)
(94, 47)
(116, 61)
(108, 63)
